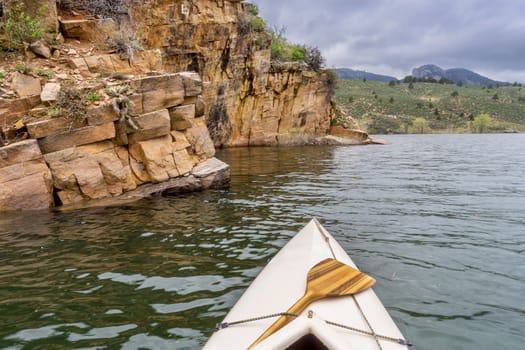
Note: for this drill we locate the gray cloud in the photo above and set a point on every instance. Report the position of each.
(394, 36)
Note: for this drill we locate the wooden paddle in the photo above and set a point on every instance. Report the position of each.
(329, 278)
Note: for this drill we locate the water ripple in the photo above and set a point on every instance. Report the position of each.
(437, 220)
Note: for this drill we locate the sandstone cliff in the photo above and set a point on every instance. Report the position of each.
(236, 96)
(249, 100)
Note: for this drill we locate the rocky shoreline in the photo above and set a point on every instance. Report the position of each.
(102, 156)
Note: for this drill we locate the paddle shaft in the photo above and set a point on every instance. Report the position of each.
(282, 321)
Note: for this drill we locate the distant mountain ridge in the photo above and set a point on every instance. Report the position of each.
(465, 76)
(347, 73)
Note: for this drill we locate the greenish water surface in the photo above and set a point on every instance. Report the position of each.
(438, 220)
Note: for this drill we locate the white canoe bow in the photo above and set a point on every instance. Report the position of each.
(357, 321)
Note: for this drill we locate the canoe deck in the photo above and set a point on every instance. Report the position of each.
(347, 322)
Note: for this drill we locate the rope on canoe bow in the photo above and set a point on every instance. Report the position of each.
(401, 341)
(372, 334)
(326, 237)
(223, 325)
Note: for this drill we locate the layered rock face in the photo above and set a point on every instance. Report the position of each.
(101, 156)
(249, 101)
(233, 95)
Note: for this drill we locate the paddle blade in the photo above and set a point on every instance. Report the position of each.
(331, 278)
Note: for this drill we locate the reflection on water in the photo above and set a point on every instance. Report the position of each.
(438, 220)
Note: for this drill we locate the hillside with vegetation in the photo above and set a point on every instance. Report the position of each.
(424, 107)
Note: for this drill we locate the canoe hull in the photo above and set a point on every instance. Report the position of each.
(282, 282)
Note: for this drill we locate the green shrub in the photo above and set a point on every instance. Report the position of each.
(482, 122)
(71, 104)
(282, 50)
(20, 27)
(54, 112)
(278, 48)
(93, 96)
(297, 53)
(419, 125)
(45, 73)
(254, 10)
(23, 69)
(258, 24)
(2, 74)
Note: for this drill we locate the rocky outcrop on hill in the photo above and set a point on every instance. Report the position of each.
(455, 75)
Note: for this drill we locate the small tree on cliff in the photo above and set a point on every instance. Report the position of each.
(313, 58)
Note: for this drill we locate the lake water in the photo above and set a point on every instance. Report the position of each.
(438, 220)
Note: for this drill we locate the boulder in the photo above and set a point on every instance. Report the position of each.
(25, 179)
(353, 134)
(180, 141)
(12, 110)
(212, 173)
(49, 93)
(25, 85)
(40, 48)
(80, 65)
(89, 178)
(200, 107)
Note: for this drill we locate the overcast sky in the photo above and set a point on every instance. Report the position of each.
(393, 36)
